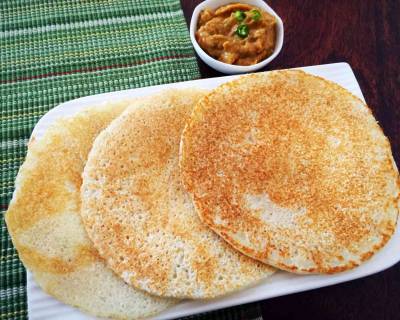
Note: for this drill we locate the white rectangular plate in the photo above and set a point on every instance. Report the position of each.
(42, 306)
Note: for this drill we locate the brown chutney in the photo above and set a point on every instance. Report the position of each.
(237, 33)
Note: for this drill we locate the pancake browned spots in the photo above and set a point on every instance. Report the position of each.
(139, 216)
(292, 170)
(83, 256)
(44, 222)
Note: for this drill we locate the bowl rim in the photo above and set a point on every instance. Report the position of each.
(218, 65)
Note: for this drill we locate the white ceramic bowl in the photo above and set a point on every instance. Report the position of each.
(225, 67)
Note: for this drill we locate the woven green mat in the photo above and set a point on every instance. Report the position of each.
(55, 51)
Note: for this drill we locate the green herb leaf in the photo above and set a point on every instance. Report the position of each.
(255, 14)
(240, 15)
(242, 30)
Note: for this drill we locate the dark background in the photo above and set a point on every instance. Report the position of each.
(366, 34)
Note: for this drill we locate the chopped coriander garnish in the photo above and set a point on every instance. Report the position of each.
(255, 14)
(240, 15)
(242, 30)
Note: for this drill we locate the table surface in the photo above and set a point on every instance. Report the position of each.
(366, 34)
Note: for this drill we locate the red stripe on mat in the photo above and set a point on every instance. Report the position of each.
(93, 69)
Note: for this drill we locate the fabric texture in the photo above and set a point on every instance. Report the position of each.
(55, 51)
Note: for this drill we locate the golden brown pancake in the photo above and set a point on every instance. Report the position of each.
(140, 218)
(292, 170)
(44, 222)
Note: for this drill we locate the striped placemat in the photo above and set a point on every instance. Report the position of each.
(57, 50)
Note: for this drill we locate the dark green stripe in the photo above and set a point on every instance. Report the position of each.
(57, 12)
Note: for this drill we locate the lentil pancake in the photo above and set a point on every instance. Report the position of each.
(44, 222)
(140, 218)
(292, 170)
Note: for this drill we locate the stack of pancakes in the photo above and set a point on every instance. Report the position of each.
(125, 209)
